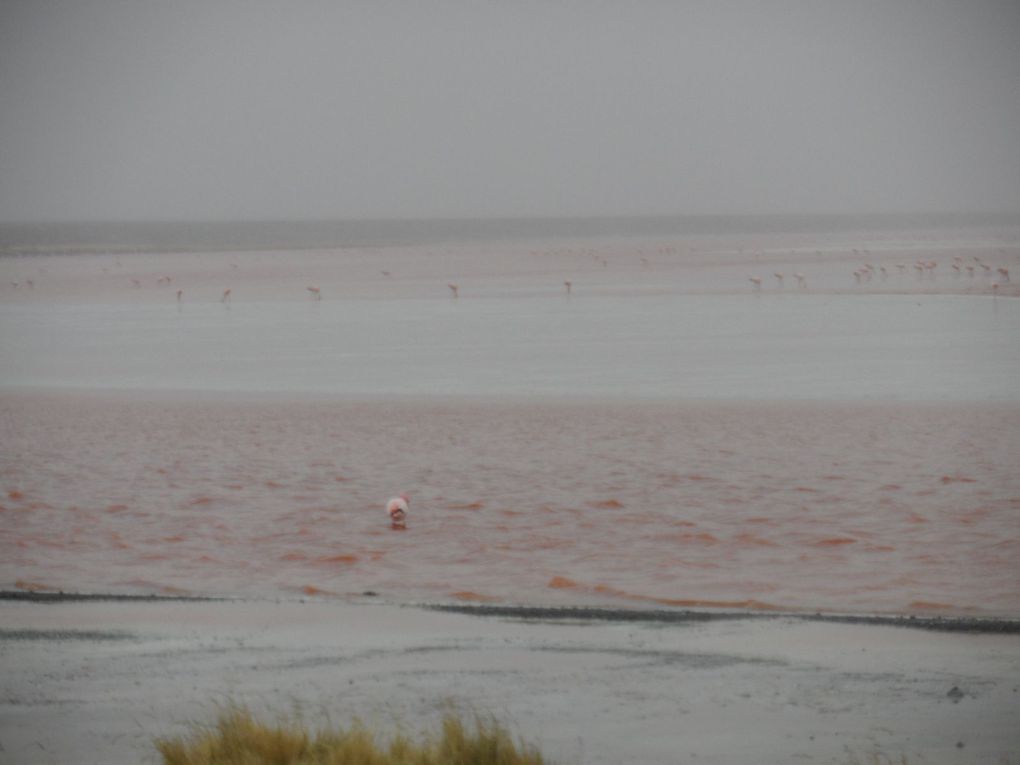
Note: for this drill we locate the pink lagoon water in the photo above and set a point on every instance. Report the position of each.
(664, 436)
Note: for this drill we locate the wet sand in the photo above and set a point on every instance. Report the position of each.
(95, 681)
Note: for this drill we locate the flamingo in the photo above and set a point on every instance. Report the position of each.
(387, 274)
(801, 280)
(1003, 272)
(756, 281)
(313, 292)
(779, 278)
(226, 296)
(568, 285)
(180, 294)
(453, 289)
(970, 271)
(397, 508)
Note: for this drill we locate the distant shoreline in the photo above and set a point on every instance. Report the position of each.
(219, 236)
(957, 624)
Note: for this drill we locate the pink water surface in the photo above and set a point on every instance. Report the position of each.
(848, 506)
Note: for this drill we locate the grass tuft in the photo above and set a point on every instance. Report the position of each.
(240, 738)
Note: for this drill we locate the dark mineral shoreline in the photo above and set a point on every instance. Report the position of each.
(935, 623)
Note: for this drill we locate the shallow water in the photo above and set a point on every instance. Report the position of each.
(838, 506)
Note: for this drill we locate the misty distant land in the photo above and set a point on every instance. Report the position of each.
(192, 236)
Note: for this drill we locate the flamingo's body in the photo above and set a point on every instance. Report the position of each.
(397, 508)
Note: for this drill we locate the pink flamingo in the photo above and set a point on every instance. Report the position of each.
(779, 278)
(226, 296)
(756, 281)
(397, 509)
(314, 293)
(1003, 272)
(453, 289)
(180, 294)
(801, 280)
(568, 286)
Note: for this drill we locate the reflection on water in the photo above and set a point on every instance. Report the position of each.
(818, 347)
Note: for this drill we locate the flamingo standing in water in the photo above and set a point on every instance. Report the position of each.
(453, 289)
(226, 296)
(314, 293)
(568, 285)
(397, 509)
(756, 281)
(801, 280)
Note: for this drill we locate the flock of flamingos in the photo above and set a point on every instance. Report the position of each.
(922, 268)
(993, 277)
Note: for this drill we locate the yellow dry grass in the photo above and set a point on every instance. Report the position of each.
(240, 738)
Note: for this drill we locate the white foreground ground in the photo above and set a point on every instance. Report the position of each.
(94, 682)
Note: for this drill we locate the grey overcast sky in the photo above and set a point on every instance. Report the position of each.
(213, 109)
